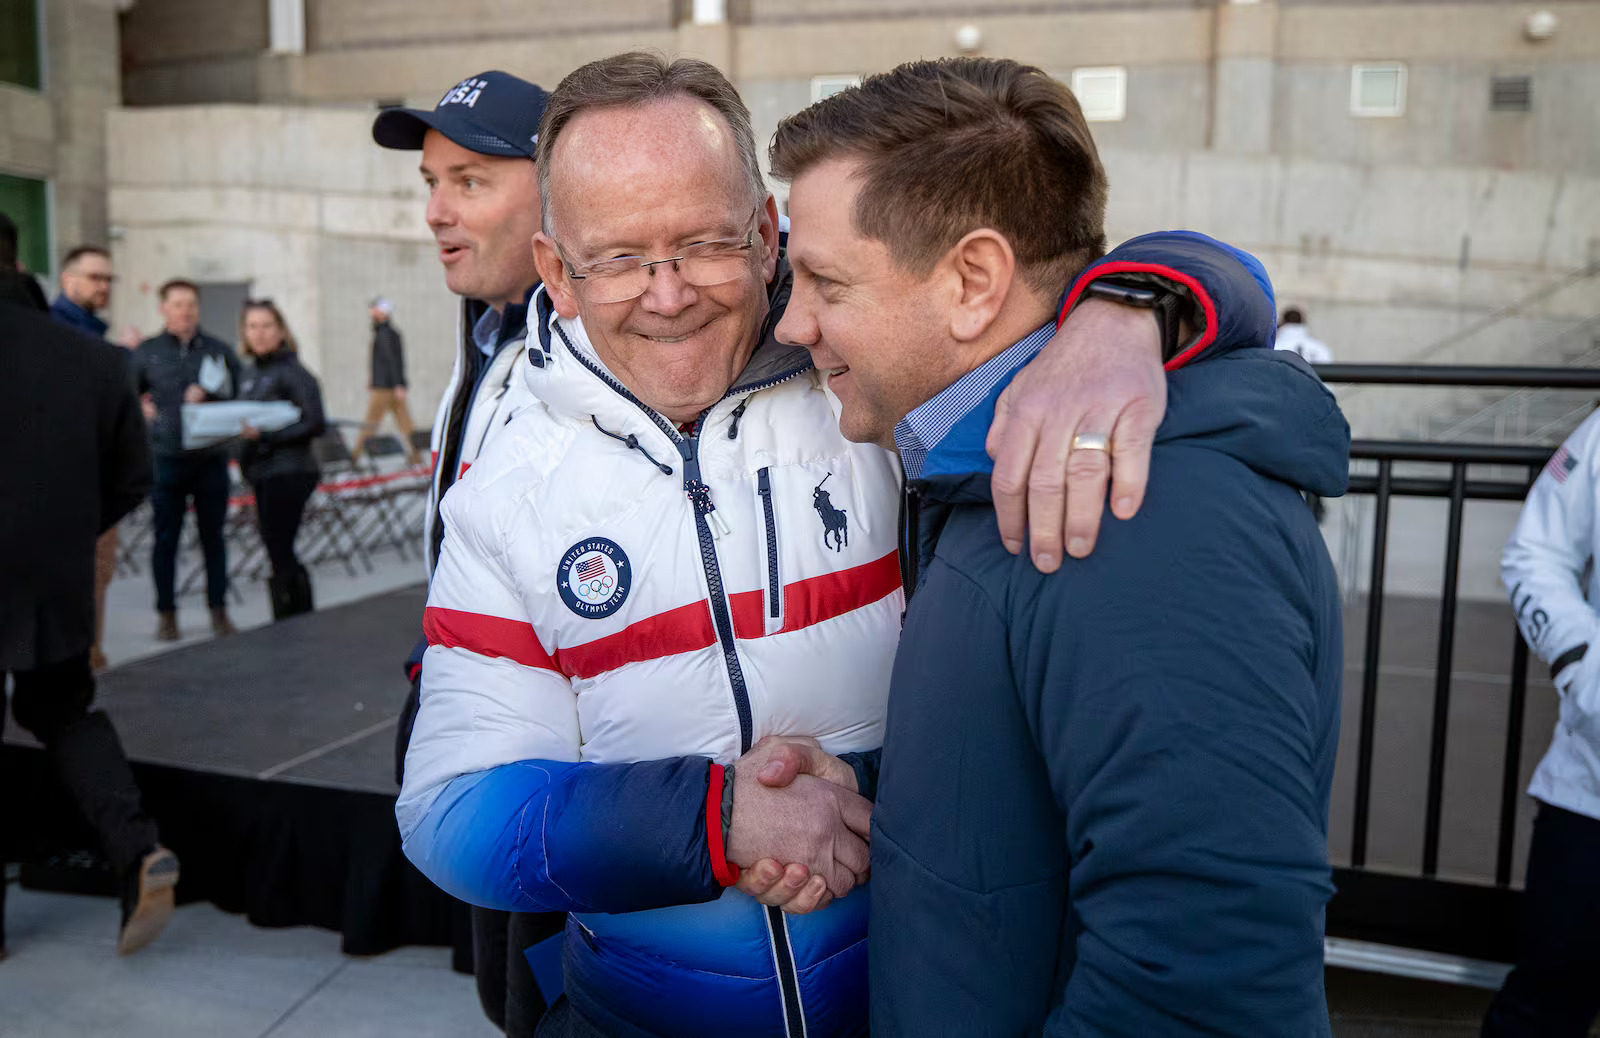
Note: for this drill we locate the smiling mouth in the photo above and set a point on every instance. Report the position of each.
(668, 340)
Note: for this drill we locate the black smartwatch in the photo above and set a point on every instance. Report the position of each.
(1165, 304)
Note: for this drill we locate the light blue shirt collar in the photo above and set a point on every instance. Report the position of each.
(922, 430)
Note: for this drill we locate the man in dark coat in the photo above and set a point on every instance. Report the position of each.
(76, 462)
(184, 365)
(386, 389)
(1103, 804)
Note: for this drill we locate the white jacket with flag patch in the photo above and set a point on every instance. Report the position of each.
(1548, 566)
(612, 591)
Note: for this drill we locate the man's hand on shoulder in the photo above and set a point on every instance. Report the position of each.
(1100, 376)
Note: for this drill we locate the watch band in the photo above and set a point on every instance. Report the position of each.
(1163, 303)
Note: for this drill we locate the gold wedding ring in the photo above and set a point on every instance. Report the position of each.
(1091, 442)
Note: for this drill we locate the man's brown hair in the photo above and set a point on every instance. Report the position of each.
(949, 146)
(175, 284)
(636, 79)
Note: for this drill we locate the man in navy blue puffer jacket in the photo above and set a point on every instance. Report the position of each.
(1103, 803)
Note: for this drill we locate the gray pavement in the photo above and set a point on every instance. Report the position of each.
(213, 975)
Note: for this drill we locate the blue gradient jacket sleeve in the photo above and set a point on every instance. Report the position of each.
(544, 836)
(1228, 296)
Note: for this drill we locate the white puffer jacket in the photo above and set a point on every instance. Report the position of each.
(612, 591)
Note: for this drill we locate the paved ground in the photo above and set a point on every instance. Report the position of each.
(213, 975)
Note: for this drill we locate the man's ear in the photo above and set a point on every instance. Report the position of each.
(982, 268)
(767, 229)
(553, 272)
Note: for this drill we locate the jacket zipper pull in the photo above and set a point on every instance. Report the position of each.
(699, 493)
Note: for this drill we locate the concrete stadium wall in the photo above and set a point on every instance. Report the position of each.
(299, 204)
(1254, 78)
(1388, 261)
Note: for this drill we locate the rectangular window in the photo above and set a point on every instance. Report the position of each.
(1378, 90)
(19, 43)
(1511, 94)
(827, 86)
(27, 202)
(1101, 92)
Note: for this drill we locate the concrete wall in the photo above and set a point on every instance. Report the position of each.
(1270, 77)
(1390, 262)
(58, 133)
(299, 204)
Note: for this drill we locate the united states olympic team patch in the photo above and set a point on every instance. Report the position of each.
(594, 577)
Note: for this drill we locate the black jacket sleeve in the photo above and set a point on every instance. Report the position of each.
(302, 391)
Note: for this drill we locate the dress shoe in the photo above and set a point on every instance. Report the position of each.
(147, 900)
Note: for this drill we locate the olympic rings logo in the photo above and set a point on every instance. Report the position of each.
(596, 589)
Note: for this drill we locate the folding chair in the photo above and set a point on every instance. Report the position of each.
(422, 442)
(136, 529)
(329, 531)
(387, 489)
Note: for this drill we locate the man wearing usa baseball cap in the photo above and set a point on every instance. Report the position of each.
(477, 148)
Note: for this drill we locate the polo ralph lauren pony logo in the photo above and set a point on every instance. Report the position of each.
(835, 524)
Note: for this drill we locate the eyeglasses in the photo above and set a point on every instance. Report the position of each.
(704, 264)
(101, 279)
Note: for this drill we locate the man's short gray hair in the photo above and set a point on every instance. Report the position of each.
(634, 80)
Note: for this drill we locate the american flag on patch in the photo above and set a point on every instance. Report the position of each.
(594, 567)
(1561, 464)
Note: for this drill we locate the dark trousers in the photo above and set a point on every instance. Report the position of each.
(506, 989)
(1554, 991)
(178, 479)
(52, 702)
(280, 505)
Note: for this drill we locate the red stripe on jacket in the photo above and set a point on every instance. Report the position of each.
(496, 636)
(687, 628)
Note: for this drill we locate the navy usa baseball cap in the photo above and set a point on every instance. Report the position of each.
(492, 113)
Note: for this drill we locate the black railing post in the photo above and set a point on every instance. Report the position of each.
(1442, 673)
(1510, 779)
(1369, 671)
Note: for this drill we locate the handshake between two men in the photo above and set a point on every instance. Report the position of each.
(800, 830)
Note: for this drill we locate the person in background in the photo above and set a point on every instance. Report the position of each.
(1294, 337)
(86, 280)
(386, 390)
(279, 463)
(75, 441)
(184, 365)
(1554, 990)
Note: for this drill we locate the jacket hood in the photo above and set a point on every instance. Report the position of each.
(1266, 408)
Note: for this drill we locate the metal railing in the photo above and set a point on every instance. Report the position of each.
(1422, 910)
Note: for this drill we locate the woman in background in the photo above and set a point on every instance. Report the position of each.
(280, 463)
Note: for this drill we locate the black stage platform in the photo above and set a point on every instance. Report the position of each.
(267, 761)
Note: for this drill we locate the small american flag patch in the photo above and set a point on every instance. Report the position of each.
(594, 567)
(1561, 465)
